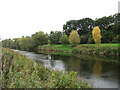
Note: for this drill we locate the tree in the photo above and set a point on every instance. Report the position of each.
(96, 34)
(116, 39)
(26, 43)
(39, 38)
(54, 37)
(83, 26)
(63, 39)
(8, 43)
(74, 38)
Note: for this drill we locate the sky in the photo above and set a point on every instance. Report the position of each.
(25, 17)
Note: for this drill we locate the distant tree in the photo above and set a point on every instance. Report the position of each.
(39, 38)
(63, 39)
(96, 34)
(107, 36)
(54, 37)
(116, 39)
(26, 43)
(74, 38)
(83, 26)
(9, 43)
(83, 38)
(89, 38)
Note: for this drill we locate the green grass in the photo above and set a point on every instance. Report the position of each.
(102, 49)
(70, 48)
(103, 44)
(63, 47)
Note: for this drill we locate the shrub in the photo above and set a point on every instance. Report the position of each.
(63, 39)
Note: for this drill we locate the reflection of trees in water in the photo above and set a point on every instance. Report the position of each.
(71, 63)
(74, 64)
(97, 69)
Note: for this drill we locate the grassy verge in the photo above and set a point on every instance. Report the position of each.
(18, 71)
(102, 49)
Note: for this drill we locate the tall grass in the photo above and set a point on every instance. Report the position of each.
(18, 71)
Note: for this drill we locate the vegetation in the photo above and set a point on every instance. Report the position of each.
(96, 34)
(81, 34)
(54, 37)
(18, 71)
(109, 27)
(63, 39)
(102, 49)
(74, 38)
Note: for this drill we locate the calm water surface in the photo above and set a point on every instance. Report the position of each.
(93, 69)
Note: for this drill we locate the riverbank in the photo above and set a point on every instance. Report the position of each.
(18, 71)
(91, 49)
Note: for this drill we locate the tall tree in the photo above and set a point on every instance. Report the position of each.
(83, 26)
(96, 34)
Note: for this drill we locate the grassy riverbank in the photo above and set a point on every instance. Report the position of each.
(18, 71)
(102, 49)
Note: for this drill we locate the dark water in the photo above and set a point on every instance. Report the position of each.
(99, 71)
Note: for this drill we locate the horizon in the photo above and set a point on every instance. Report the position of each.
(50, 31)
(19, 20)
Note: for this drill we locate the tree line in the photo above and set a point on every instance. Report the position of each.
(109, 27)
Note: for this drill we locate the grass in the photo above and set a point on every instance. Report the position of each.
(101, 49)
(18, 71)
(104, 44)
(63, 47)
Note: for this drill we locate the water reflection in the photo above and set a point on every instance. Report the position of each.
(46, 60)
(97, 69)
(92, 68)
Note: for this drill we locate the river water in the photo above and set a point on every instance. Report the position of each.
(98, 71)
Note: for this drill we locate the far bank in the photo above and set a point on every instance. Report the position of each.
(86, 49)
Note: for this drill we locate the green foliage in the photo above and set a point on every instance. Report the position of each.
(21, 72)
(107, 36)
(116, 39)
(83, 26)
(63, 39)
(102, 49)
(54, 37)
(110, 24)
(8, 43)
(26, 43)
(84, 38)
(39, 38)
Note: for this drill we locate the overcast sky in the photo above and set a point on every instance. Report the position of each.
(25, 17)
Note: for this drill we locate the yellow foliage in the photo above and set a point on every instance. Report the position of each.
(74, 37)
(97, 69)
(96, 34)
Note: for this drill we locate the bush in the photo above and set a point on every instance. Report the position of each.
(63, 39)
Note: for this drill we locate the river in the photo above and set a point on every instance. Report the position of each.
(98, 71)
